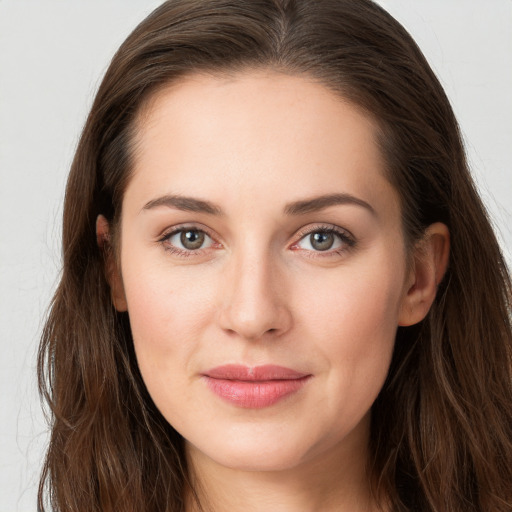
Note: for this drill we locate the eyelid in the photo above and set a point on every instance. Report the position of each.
(192, 226)
(347, 238)
(171, 231)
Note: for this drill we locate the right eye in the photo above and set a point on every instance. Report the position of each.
(187, 240)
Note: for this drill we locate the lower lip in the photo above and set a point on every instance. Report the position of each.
(254, 394)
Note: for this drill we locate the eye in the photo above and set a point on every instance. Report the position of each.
(325, 239)
(321, 240)
(187, 239)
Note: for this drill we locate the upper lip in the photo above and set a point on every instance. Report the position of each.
(254, 373)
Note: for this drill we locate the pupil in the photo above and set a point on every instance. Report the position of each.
(192, 239)
(322, 241)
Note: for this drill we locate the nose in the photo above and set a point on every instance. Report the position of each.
(253, 299)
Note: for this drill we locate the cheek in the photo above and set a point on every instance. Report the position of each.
(167, 311)
(353, 301)
(354, 320)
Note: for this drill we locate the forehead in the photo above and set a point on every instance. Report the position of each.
(254, 133)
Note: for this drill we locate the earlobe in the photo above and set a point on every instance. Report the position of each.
(112, 272)
(430, 261)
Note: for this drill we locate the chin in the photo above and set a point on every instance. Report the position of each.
(258, 461)
(243, 455)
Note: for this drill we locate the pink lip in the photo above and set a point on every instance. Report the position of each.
(254, 388)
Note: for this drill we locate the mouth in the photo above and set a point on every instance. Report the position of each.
(254, 387)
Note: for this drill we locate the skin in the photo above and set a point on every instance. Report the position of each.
(258, 292)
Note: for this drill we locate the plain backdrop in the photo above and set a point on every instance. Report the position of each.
(52, 56)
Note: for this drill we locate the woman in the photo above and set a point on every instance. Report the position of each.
(280, 288)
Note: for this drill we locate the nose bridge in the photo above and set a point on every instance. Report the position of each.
(254, 303)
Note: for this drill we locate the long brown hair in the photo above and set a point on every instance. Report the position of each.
(441, 436)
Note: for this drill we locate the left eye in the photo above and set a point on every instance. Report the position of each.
(189, 239)
(322, 240)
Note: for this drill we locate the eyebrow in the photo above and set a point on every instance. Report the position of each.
(296, 208)
(321, 202)
(188, 204)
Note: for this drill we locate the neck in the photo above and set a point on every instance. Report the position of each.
(336, 481)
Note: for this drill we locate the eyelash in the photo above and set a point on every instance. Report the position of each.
(343, 235)
(347, 239)
(164, 239)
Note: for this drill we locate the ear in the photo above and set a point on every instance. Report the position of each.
(112, 271)
(430, 261)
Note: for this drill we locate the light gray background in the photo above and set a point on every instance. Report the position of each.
(52, 55)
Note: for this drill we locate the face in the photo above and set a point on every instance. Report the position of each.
(263, 268)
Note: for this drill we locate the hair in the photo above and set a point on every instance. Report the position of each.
(441, 433)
